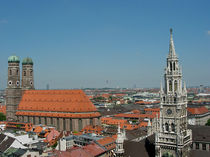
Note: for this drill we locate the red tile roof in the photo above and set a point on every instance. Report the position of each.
(135, 115)
(92, 129)
(65, 101)
(3, 109)
(94, 149)
(52, 135)
(78, 152)
(107, 142)
(198, 110)
(152, 109)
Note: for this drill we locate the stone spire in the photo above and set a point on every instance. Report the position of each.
(119, 143)
(172, 52)
(172, 131)
(161, 88)
(185, 88)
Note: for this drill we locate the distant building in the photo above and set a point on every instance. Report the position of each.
(198, 115)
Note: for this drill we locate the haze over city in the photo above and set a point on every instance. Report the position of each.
(80, 44)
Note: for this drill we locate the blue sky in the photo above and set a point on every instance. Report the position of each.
(83, 43)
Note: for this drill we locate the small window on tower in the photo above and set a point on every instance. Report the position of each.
(24, 73)
(175, 85)
(31, 72)
(17, 72)
(170, 85)
(167, 126)
(173, 127)
(170, 66)
(174, 66)
(10, 72)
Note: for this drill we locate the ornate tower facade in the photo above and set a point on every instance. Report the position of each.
(119, 143)
(173, 138)
(27, 74)
(13, 90)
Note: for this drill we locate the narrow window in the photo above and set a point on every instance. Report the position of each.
(174, 99)
(170, 85)
(31, 72)
(204, 146)
(164, 99)
(10, 72)
(175, 85)
(174, 66)
(17, 72)
(173, 127)
(170, 66)
(197, 146)
(24, 73)
(167, 126)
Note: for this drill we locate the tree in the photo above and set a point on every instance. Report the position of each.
(2, 117)
(208, 122)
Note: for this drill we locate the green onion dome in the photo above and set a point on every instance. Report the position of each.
(13, 59)
(27, 61)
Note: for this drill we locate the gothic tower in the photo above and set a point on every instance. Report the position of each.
(173, 138)
(27, 74)
(13, 90)
(119, 143)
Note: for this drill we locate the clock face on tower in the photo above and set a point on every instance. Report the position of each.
(169, 111)
(10, 83)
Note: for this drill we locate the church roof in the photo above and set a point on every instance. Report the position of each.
(197, 110)
(56, 103)
(27, 61)
(13, 59)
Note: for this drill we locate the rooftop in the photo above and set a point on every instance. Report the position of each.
(68, 102)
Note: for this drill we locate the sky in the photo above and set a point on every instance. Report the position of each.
(105, 43)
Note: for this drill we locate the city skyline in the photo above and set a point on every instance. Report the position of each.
(84, 44)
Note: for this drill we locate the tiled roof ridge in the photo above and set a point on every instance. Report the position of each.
(198, 110)
(56, 100)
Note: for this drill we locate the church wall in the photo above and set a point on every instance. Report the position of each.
(36, 120)
(75, 125)
(60, 127)
(67, 121)
(25, 119)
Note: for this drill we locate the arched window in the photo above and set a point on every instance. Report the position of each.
(10, 72)
(173, 127)
(17, 72)
(175, 85)
(24, 73)
(174, 99)
(164, 99)
(31, 72)
(166, 126)
(170, 66)
(170, 85)
(174, 66)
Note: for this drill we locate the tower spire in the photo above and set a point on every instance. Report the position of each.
(172, 52)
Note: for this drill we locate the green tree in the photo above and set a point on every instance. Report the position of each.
(54, 146)
(208, 122)
(2, 117)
